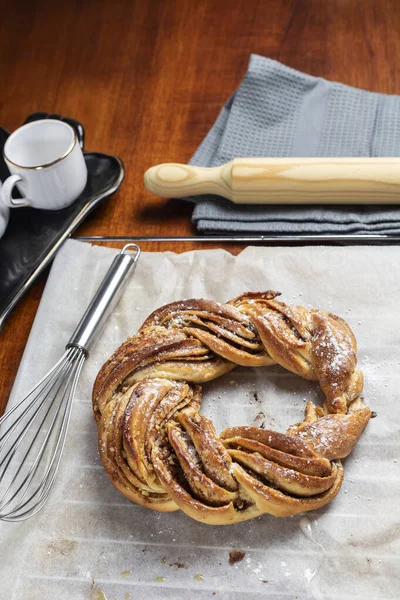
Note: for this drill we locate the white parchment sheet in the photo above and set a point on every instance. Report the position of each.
(91, 543)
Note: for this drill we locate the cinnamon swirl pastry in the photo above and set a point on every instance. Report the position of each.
(162, 453)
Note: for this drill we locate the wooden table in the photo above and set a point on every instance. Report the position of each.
(147, 78)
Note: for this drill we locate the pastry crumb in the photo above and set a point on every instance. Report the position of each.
(236, 556)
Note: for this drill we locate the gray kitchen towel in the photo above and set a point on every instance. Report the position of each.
(278, 111)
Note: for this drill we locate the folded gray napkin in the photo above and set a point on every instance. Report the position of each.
(278, 111)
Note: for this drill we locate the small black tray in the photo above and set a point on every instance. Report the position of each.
(33, 236)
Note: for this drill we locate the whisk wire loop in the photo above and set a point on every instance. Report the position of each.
(56, 404)
(33, 432)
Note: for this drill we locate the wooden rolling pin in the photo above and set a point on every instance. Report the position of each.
(284, 180)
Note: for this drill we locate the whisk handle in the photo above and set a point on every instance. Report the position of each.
(105, 299)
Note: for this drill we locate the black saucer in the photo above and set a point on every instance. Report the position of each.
(33, 236)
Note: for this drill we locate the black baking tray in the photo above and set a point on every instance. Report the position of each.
(33, 236)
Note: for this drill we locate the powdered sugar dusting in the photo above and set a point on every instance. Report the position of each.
(333, 347)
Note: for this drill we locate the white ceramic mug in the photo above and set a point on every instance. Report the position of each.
(4, 216)
(46, 161)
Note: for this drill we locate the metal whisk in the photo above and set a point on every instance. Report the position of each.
(33, 432)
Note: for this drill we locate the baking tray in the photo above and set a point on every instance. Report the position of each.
(91, 543)
(33, 236)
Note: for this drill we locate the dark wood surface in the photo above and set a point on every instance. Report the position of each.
(147, 78)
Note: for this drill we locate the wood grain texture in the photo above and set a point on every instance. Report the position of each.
(148, 78)
(283, 180)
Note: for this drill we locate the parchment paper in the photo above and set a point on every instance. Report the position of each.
(89, 542)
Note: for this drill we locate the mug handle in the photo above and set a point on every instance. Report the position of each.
(6, 193)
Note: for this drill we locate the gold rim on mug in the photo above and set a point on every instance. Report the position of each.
(53, 162)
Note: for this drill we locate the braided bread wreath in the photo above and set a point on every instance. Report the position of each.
(162, 453)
